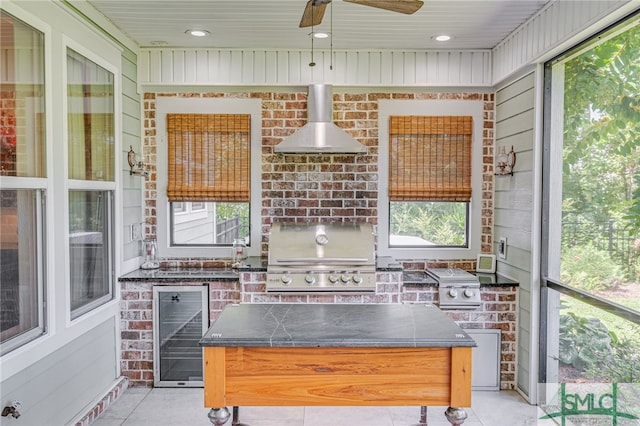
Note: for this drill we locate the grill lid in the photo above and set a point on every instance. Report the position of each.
(336, 257)
(446, 275)
(321, 244)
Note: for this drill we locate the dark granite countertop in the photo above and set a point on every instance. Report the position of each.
(180, 275)
(421, 278)
(259, 264)
(335, 325)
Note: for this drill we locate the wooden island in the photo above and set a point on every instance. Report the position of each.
(336, 355)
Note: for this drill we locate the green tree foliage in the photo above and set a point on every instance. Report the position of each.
(440, 223)
(589, 346)
(227, 211)
(624, 364)
(587, 268)
(602, 131)
(585, 343)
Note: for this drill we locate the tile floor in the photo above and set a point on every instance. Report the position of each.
(184, 407)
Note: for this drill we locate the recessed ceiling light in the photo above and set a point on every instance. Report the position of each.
(442, 37)
(320, 35)
(197, 33)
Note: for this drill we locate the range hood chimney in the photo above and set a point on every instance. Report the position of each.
(320, 134)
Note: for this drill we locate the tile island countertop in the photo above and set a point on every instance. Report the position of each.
(335, 325)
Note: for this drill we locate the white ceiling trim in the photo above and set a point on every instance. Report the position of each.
(255, 67)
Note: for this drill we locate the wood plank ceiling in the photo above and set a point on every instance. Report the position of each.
(273, 24)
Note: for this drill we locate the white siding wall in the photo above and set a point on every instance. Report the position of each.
(132, 186)
(160, 66)
(514, 210)
(59, 387)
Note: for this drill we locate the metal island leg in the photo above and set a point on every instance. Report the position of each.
(423, 417)
(219, 416)
(235, 421)
(456, 416)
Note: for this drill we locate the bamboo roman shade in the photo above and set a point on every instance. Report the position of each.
(208, 157)
(430, 158)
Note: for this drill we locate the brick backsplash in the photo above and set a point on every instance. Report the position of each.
(315, 187)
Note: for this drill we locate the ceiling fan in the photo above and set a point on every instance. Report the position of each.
(314, 10)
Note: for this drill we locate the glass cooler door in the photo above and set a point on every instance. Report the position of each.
(180, 320)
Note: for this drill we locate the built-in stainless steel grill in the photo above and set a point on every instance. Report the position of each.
(457, 289)
(332, 257)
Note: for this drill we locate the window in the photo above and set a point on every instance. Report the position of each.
(90, 249)
(208, 224)
(429, 180)
(91, 134)
(223, 211)
(592, 123)
(208, 182)
(434, 152)
(23, 182)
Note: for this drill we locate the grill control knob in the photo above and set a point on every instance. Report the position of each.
(322, 239)
(469, 293)
(453, 293)
(357, 279)
(345, 278)
(286, 279)
(310, 279)
(333, 279)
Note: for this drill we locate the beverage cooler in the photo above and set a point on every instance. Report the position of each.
(180, 320)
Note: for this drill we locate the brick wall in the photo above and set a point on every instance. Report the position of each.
(298, 187)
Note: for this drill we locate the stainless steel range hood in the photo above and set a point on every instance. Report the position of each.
(320, 134)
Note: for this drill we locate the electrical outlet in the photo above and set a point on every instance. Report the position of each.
(136, 232)
(502, 247)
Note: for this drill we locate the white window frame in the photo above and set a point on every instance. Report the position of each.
(114, 220)
(39, 185)
(19, 344)
(174, 105)
(108, 233)
(475, 109)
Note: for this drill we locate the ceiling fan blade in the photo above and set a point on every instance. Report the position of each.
(313, 13)
(403, 6)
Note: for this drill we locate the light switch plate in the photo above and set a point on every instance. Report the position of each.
(136, 232)
(502, 248)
